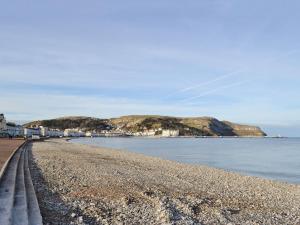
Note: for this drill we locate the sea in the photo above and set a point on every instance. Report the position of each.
(271, 158)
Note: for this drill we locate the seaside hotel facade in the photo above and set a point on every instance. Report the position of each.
(3, 128)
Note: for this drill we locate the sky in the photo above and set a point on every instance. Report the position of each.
(233, 60)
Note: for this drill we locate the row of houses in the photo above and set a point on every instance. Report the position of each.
(74, 133)
(162, 132)
(11, 129)
(19, 131)
(14, 130)
(170, 133)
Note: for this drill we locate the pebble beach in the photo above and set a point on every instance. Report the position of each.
(80, 184)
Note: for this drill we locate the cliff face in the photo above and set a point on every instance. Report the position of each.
(190, 126)
(245, 130)
(199, 126)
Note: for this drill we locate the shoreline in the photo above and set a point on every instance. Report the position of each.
(273, 175)
(159, 136)
(115, 186)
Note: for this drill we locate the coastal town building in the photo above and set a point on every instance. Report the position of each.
(88, 134)
(3, 131)
(170, 133)
(29, 132)
(73, 133)
(2, 122)
(149, 133)
(145, 133)
(47, 132)
(114, 134)
(55, 133)
(14, 130)
(92, 134)
(154, 132)
(44, 131)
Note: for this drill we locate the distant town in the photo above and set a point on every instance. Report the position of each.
(10, 129)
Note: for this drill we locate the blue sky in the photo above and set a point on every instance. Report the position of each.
(234, 60)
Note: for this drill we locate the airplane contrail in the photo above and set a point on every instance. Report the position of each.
(243, 69)
(211, 81)
(291, 52)
(214, 90)
(186, 89)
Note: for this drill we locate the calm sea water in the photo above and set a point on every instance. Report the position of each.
(273, 158)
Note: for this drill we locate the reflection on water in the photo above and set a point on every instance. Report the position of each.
(273, 158)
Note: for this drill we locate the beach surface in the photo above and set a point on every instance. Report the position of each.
(80, 184)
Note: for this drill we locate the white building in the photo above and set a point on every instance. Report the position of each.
(170, 133)
(73, 133)
(2, 122)
(145, 133)
(55, 133)
(91, 134)
(15, 130)
(44, 131)
(47, 132)
(28, 132)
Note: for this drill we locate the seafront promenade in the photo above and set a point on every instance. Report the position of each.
(7, 147)
(18, 202)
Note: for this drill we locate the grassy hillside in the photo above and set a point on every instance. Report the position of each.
(142, 123)
(201, 126)
(84, 123)
(206, 126)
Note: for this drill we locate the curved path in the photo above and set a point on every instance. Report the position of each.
(7, 147)
(18, 202)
